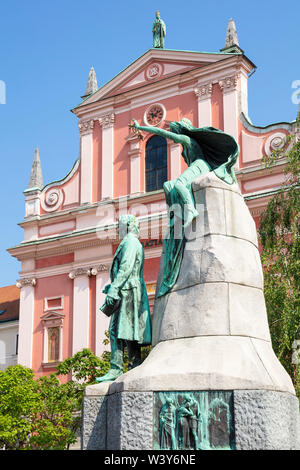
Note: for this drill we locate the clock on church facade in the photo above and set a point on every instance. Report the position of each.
(154, 115)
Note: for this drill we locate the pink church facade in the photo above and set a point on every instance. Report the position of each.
(70, 225)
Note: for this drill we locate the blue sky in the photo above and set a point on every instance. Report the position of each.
(48, 47)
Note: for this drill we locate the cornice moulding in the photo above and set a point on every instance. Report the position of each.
(264, 130)
(245, 174)
(68, 214)
(76, 240)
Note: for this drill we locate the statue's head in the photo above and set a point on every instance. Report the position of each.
(128, 224)
(181, 127)
(187, 398)
(157, 14)
(169, 400)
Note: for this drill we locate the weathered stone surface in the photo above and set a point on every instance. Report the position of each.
(93, 432)
(201, 312)
(222, 209)
(207, 363)
(211, 180)
(100, 389)
(266, 420)
(209, 203)
(197, 311)
(247, 311)
(130, 421)
(230, 259)
(239, 221)
(274, 367)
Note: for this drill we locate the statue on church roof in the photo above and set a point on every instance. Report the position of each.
(159, 32)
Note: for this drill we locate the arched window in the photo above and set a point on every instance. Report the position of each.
(156, 163)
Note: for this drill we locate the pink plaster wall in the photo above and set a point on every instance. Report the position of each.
(151, 267)
(51, 287)
(255, 149)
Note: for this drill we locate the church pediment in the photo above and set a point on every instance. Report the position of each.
(153, 71)
(154, 65)
(52, 317)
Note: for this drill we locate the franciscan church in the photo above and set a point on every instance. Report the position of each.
(70, 225)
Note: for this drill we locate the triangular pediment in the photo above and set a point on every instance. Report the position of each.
(154, 65)
(52, 316)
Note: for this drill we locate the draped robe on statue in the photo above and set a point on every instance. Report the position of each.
(211, 150)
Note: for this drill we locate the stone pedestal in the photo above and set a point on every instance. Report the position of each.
(211, 347)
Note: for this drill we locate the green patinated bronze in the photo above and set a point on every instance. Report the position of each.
(159, 32)
(203, 149)
(193, 420)
(127, 301)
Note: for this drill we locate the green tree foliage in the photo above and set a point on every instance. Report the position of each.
(279, 235)
(34, 413)
(42, 414)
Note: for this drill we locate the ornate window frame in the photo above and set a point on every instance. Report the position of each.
(52, 319)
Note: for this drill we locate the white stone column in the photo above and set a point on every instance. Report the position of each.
(230, 105)
(26, 317)
(81, 308)
(102, 321)
(203, 93)
(86, 167)
(134, 154)
(244, 93)
(107, 123)
(175, 161)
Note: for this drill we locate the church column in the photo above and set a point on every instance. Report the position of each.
(102, 321)
(86, 168)
(203, 93)
(230, 105)
(26, 317)
(107, 123)
(81, 308)
(134, 154)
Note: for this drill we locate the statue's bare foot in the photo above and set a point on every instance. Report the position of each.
(189, 216)
(111, 375)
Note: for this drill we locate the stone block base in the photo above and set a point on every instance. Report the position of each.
(238, 419)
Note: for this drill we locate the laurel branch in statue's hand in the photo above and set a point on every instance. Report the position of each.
(135, 124)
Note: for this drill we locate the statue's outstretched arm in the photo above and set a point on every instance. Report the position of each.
(178, 138)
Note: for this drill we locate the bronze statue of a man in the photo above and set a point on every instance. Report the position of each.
(127, 301)
(159, 32)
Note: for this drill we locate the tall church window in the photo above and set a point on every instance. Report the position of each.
(156, 163)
